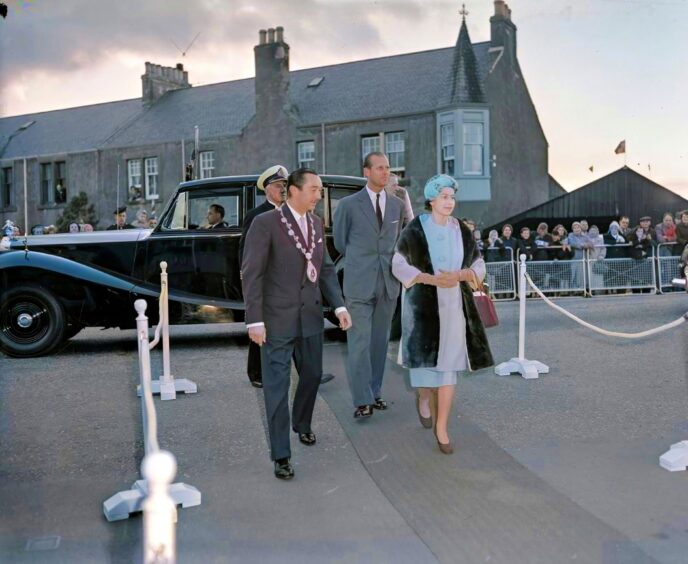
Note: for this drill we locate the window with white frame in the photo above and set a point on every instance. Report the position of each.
(305, 154)
(395, 147)
(369, 144)
(151, 167)
(53, 183)
(447, 144)
(207, 164)
(6, 187)
(135, 180)
(473, 141)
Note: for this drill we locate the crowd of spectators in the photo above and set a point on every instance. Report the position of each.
(619, 241)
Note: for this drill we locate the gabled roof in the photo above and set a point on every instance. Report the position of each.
(373, 88)
(622, 192)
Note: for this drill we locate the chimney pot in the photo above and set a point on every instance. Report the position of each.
(261, 37)
(271, 35)
(500, 8)
(180, 66)
(279, 34)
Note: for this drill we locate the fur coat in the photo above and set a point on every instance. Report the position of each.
(420, 311)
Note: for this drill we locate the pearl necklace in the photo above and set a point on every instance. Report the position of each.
(311, 271)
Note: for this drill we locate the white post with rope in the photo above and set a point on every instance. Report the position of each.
(159, 510)
(529, 369)
(123, 504)
(167, 386)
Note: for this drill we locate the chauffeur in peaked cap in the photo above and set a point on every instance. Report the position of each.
(120, 219)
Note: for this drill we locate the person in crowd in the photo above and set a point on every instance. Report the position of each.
(625, 228)
(273, 181)
(366, 228)
(542, 242)
(682, 231)
(509, 242)
(494, 248)
(477, 237)
(37, 230)
(584, 226)
(216, 217)
(73, 227)
(525, 244)
(120, 219)
(617, 246)
(665, 232)
(439, 264)
(579, 244)
(559, 251)
(394, 189)
(49, 230)
(87, 228)
(642, 239)
(142, 220)
(597, 249)
(283, 286)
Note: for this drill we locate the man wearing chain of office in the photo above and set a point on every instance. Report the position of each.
(286, 271)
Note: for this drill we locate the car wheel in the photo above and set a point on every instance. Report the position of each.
(32, 321)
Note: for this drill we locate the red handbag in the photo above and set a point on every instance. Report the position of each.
(486, 309)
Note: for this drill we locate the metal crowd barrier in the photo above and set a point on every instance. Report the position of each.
(668, 265)
(593, 274)
(501, 276)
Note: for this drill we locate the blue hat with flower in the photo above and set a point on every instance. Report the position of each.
(437, 183)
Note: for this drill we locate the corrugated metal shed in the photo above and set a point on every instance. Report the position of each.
(623, 192)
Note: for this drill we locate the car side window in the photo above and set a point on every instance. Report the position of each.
(337, 193)
(217, 209)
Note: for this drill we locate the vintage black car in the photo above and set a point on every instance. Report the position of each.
(52, 286)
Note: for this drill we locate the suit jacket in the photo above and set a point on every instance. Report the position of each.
(276, 288)
(366, 249)
(266, 206)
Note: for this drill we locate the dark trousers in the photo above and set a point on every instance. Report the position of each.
(276, 355)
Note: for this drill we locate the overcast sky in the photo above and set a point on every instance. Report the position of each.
(599, 71)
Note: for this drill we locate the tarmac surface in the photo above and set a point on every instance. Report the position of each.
(562, 468)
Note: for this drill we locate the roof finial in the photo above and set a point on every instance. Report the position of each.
(463, 12)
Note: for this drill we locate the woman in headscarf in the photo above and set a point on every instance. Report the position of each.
(438, 262)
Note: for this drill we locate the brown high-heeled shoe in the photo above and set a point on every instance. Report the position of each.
(424, 421)
(445, 448)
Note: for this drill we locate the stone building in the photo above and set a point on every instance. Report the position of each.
(464, 110)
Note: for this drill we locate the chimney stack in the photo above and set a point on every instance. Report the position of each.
(158, 80)
(272, 72)
(503, 31)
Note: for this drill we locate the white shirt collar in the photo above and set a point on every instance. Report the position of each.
(373, 195)
(297, 216)
(276, 206)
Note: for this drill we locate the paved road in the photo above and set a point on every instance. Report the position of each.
(550, 470)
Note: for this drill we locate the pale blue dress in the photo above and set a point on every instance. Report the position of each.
(446, 253)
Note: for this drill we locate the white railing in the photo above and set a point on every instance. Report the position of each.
(154, 494)
(668, 265)
(500, 275)
(167, 385)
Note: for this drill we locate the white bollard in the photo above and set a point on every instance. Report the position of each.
(159, 510)
(529, 369)
(167, 386)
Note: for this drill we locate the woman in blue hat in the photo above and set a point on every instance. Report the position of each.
(439, 265)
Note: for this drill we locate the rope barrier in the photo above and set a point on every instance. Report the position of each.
(640, 335)
(161, 305)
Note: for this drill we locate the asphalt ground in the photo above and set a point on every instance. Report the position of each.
(562, 468)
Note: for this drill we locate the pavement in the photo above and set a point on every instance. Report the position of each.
(562, 468)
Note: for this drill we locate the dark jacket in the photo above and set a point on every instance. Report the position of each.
(420, 340)
(510, 243)
(615, 249)
(642, 247)
(525, 247)
(541, 247)
(276, 288)
(266, 206)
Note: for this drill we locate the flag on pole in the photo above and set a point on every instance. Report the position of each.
(648, 167)
(591, 168)
(620, 148)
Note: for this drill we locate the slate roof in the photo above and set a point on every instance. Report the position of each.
(623, 191)
(465, 80)
(65, 131)
(373, 88)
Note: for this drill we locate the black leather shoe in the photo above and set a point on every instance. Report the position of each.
(380, 404)
(283, 469)
(307, 438)
(256, 383)
(363, 412)
(327, 377)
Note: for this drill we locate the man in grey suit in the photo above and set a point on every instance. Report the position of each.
(286, 271)
(366, 229)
